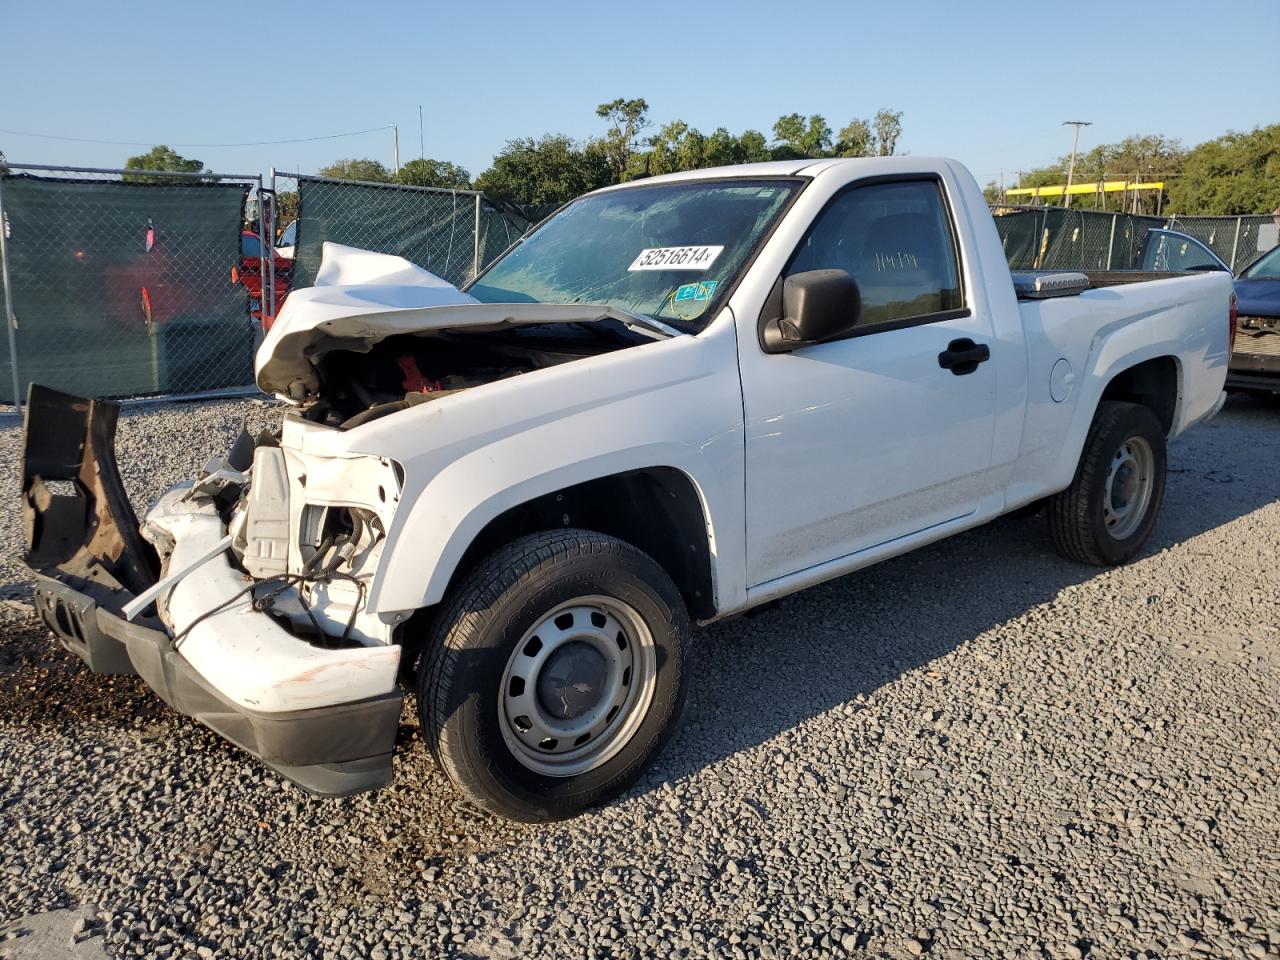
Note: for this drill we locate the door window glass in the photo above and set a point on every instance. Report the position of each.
(895, 240)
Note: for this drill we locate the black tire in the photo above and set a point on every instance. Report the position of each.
(476, 632)
(1076, 515)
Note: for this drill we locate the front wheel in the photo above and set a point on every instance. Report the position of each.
(554, 674)
(1107, 514)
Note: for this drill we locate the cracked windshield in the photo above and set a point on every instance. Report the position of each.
(665, 251)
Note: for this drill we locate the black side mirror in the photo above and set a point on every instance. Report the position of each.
(815, 305)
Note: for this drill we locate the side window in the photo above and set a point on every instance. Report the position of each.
(1179, 253)
(895, 240)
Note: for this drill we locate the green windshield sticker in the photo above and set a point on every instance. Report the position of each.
(696, 291)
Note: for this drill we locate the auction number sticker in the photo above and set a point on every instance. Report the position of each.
(675, 258)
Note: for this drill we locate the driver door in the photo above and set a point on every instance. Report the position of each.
(858, 441)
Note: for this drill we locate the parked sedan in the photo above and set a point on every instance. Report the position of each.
(1168, 251)
(1255, 362)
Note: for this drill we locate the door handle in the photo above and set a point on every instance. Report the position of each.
(963, 356)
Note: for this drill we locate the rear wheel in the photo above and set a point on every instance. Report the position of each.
(554, 674)
(1107, 514)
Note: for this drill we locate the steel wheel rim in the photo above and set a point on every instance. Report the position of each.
(597, 656)
(1129, 487)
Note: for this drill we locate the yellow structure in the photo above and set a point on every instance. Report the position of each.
(1107, 186)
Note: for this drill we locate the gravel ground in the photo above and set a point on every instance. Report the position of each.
(975, 750)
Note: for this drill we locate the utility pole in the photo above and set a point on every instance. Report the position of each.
(1071, 167)
(422, 154)
(395, 142)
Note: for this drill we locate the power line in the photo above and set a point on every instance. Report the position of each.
(197, 146)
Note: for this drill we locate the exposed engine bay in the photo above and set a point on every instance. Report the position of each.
(407, 370)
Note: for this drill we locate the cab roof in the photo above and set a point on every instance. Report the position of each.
(784, 168)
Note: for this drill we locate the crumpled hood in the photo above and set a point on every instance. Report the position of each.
(361, 298)
(358, 295)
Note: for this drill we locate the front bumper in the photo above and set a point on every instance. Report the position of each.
(332, 751)
(326, 719)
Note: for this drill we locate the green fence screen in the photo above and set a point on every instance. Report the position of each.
(1069, 239)
(125, 289)
(435, 229)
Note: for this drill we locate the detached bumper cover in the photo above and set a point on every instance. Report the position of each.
(332, 751)
(281, 699)
(247, 655)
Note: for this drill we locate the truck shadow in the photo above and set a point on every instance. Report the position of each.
(757, 676)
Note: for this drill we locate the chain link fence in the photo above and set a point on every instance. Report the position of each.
(125, 283)
(136, 283)
(129, 283)
(1234, 239)
(452, 233)
(1060, 238)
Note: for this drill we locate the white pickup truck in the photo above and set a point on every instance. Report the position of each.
(673, 401)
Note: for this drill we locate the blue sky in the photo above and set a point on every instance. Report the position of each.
(986, 81)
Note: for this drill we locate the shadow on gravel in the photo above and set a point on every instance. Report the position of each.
(759, 675)
(41, 684)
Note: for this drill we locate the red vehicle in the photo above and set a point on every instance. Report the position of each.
(249, 275)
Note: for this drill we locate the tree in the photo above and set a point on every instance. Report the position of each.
(755, 147)
(1139, 158)
(1144, 157)
(628, 118)
(888, 124)
(1237, 173)
(675, 147)
(286, 208)
(371, 170)
(554, 169)
(434, 173)
(551, 170)
(857, 139)
(722, 149)
(161, 158)
(799, 138)
(678, 146)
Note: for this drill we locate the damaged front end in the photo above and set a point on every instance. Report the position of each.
(231, 618)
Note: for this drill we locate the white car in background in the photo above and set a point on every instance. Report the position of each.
(288, 241)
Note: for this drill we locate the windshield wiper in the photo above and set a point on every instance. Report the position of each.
(635, 322)
(646, 324)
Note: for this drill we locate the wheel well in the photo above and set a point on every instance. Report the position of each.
(656, 510)
(1152, 383)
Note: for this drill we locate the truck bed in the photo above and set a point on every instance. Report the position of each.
(1048, 284)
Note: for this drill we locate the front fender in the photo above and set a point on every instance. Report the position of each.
(434, 539)
(640, 415)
